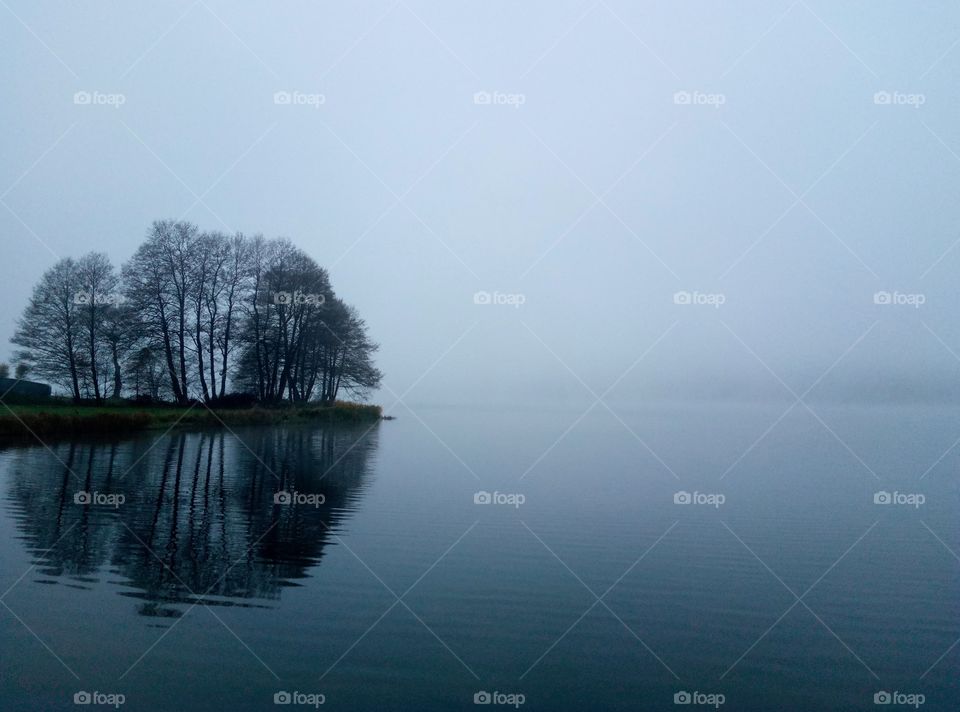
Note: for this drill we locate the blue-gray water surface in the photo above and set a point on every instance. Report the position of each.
(723, 556)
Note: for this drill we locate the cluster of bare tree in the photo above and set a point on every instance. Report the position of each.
(192, 313)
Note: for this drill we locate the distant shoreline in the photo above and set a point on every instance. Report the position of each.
(58, 420)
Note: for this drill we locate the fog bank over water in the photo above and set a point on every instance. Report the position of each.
(534, 202)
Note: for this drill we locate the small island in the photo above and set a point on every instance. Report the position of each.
(196, 329)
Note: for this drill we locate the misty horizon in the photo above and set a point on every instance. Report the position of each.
(596, 159)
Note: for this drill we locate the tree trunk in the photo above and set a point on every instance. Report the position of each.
(226, 344)
(117, 380)
(168, 354)
(74, 376)
(200, 367)
(93, 351)
(182, 348)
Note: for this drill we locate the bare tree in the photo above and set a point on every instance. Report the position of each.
(97, 295)
(145, 373)
(341, 355)
(120, 336)
(200, 285)
(49, 331)
(236, 284)
(301, 342)
(289, 290)
(156, 284)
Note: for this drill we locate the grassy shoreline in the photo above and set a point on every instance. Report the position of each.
(67, 420)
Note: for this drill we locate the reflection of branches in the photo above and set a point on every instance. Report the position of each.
(199, 501)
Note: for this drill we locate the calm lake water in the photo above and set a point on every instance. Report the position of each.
(192, 583)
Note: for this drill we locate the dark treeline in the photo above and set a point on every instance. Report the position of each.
(191, 315)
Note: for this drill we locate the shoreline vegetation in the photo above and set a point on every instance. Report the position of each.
(198, 329)
(196, 315)
(55, 420)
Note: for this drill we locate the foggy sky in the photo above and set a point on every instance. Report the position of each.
(589, 185)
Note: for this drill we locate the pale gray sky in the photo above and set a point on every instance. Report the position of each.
(629, 151)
